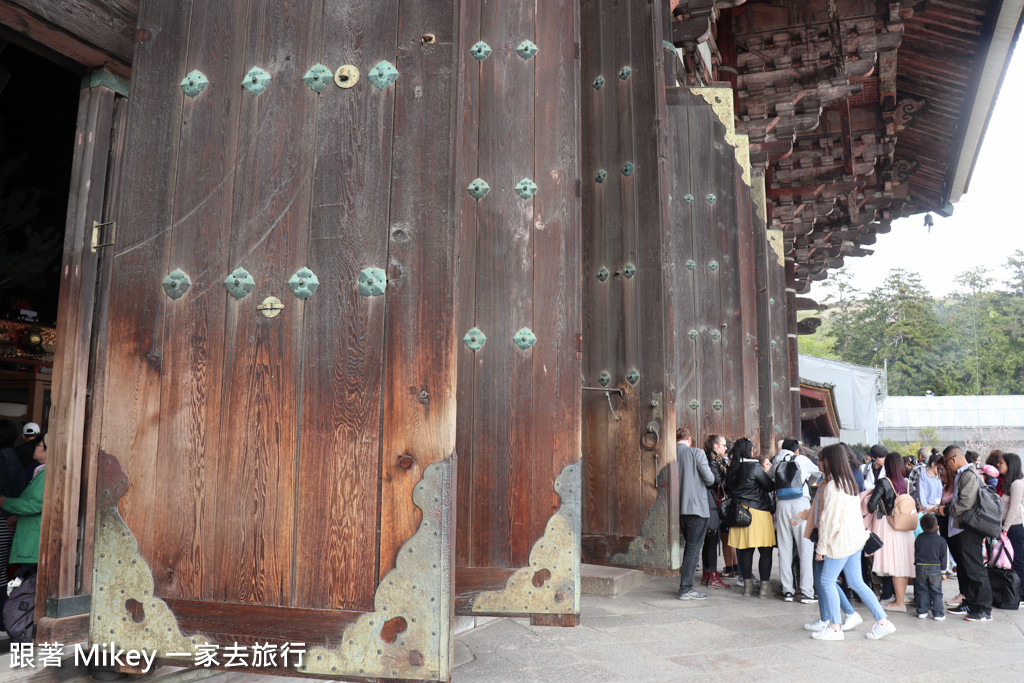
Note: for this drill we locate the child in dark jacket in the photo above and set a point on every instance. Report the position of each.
(930, 559)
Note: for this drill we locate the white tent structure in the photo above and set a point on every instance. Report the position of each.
(858, 392)
(973, 421)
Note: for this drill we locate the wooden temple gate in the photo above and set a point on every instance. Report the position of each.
(406, 301)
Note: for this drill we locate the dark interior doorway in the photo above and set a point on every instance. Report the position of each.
(38, 116)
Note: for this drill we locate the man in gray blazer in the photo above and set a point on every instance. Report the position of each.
(694, 478)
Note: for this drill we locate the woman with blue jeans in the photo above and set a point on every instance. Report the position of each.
(841, 537)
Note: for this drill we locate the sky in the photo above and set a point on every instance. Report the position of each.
(987, 224)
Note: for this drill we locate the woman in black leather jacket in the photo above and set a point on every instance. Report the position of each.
(714, 448)
(748, 483)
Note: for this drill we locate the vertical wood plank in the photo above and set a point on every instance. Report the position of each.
(420, 376)
(75, 309)
(190, 399)
(747, 311)
(336, 510)
(134, 355)
(262, 356)
(555, 438)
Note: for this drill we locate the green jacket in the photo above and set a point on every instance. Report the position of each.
(29, 508)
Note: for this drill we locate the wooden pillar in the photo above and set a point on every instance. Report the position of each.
(62, 592)
(794, 349)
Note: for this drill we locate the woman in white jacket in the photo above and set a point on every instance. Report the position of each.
(841, 536)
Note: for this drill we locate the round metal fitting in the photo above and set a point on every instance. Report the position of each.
(771, 301)
(713, 266)
(603, 274)
(711, 198)
(625, 72)
(346, 76)
(694, 404)
(692, 334)
(270, 307)
(604, 379)
(688, 198)
(716, 335)
(598, 83)
(601, 175)
(629, 270)
(691, 264)
(717, 405)
(633, 376)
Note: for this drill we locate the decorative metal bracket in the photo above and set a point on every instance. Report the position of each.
(550, 583)
(598, 83)
(716, 335)
(717, 405)
(604, 378)
(346, 76)
(317, 78)
(122, 584)
(239, 283)
(480, 51)
(629, 270)
(658, 542)
(383, 74)
(256, 81)
(713, 266)
(478, 189)
(524, 338)
(628, 168)
(526, 188)
(603, 274)
(271, 307)
(691, 264)
(601, 175)
(692, 334)
(176, 284)
(372, 281)
(721, 101)
(624, 73)
(414, 594)
(694, 404)
(303, 283)
(526, 49)
(474, 339)
(194, 83)
(633, 376)
(776, 241)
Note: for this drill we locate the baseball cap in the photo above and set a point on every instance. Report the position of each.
(30, 429)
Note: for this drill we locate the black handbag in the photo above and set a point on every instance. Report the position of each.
(873, 544)
(1005, 586)
(735, 514)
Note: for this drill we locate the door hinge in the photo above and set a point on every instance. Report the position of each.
(95, 243)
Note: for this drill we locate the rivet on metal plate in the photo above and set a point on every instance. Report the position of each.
(598, 83)
(601, 175)
(372, 282)
(711, 198)
(691, 264)
(603, 274)
(347, 75)
(694, 404)
(624, 73)
(713, 266)
(480, 51)
(692, 334)
(194, 83)
(317, 78)
(478, 188)
(629, 270)
(628, 168)
(716, 335)
(176, 284)
(526, 188)
(383, 74)
(239, 283)
(256, 81)
(717, 405)
(524, 338)
(270, 307)
(526, 49)
(303, 283)
(604, 379)
(474, 339)
(632, 376)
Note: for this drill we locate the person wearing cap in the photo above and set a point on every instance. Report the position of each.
(29, 509)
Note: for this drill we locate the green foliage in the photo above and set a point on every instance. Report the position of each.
(892, 446)
(971, 343)
(929, 437)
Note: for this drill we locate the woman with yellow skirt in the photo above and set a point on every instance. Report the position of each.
(748, 483)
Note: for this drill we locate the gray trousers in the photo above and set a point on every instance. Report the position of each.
(791, 538)
(692, 530)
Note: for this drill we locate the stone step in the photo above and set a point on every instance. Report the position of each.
(598, 579)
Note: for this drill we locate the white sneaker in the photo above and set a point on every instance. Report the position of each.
(816, 625)
(879, 631)
(852, 621)
(828, 634)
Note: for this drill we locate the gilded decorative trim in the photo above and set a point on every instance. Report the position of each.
(775, 241)
(550, 583)
(414, 599)
(121, 576)
(721, 103)
(658, 542)
(760, 198)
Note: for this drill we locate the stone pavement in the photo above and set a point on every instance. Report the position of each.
(648, 635)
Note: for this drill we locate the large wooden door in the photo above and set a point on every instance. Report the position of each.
(276, 457)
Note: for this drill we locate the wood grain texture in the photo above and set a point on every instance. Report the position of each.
(135, 348)
(106, 24)
(75, 318)
(184, 544)
(419, 385)
(343, 371)
(746, 266)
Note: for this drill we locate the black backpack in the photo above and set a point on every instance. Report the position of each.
(789, 482)
(19, 611)
(986, 515)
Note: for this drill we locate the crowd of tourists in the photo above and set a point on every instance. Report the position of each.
(844, 525)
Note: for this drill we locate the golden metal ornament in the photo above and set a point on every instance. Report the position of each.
(271, 307)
